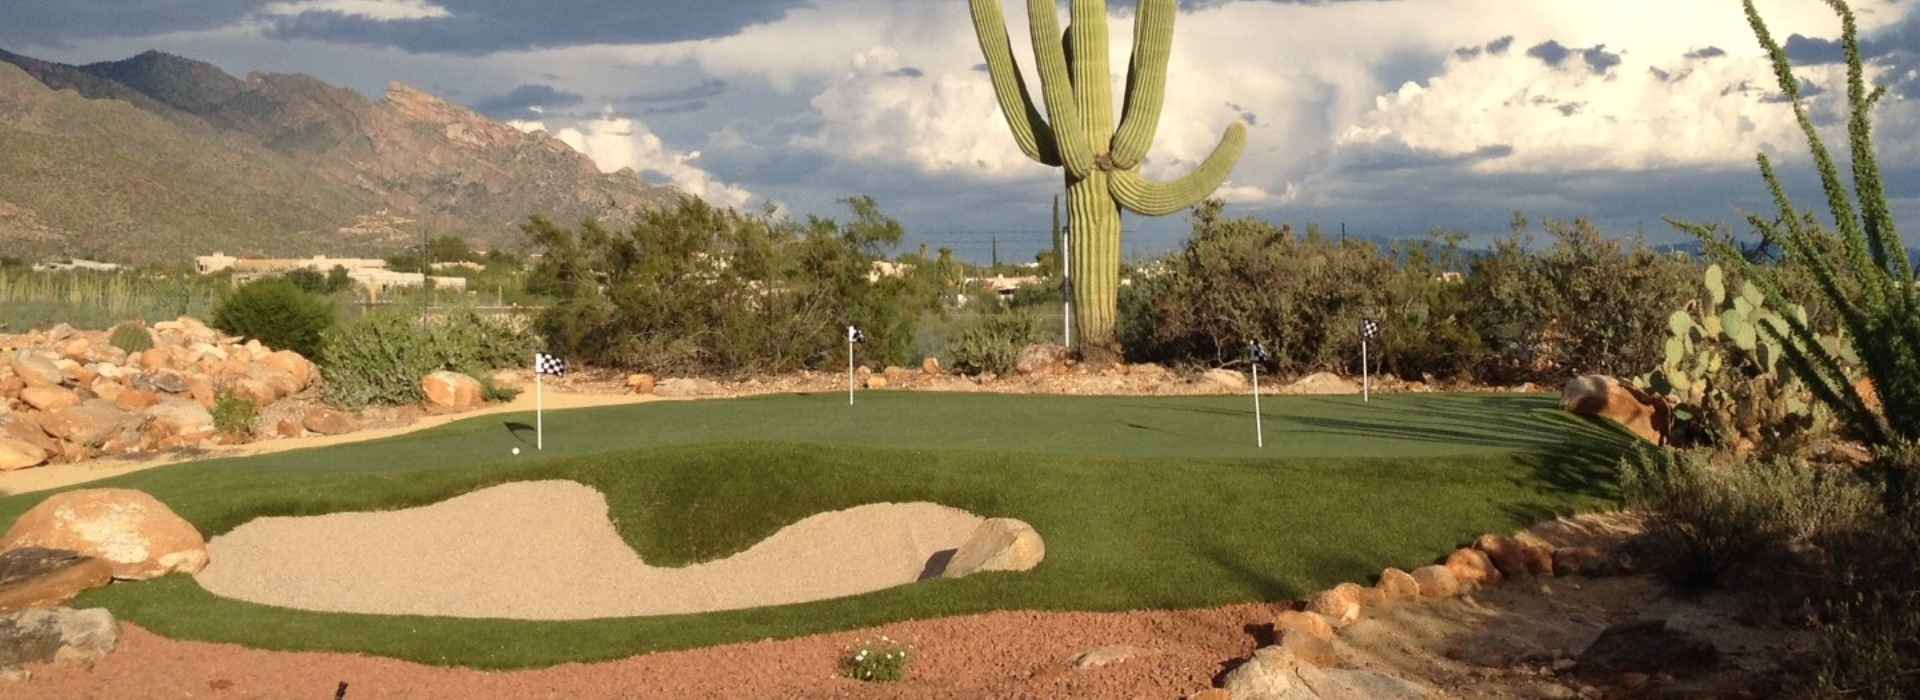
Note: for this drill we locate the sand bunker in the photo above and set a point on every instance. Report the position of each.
(545, 550)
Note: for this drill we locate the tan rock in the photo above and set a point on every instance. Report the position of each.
(1211, 694)
(138, 536)
(642, 384)
(135, 399)
(1224, 380)
(74, 349)
(258, 391)
(1507, 555)
(1582, 561)
(451, 391)
(1605, 397)
(48, 398)
(1436, 581)
(182, 418)
(931, 367)
(288, 427)
(296, 366)
(33, 577)
(20, 454)
(26, 428)
(1340, 604)
(283, 384)
(35, 369)
(327, 421)
(877, 382)
(1311, 624)
(1041, 359)
(1472, 568)
(201, 389)
(1396, 585)
(107, 388)
(88, 423)
(997, 544)
(1311, 649)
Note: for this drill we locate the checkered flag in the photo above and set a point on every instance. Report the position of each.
(549, 365)
(1258, 353)
(855, 336)
(1369, 329)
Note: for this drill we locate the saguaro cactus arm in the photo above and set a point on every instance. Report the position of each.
(1092, 78)
(1162, 198)
(1146, 82)
(1056, 85)
(1030, 130)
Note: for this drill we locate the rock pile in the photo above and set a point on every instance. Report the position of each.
(69, 395)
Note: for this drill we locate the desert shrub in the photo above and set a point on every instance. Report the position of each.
(1712, 519)
(276, 313)
(234, 416)
(693, 288)
(131, 338)
(879, 660)
(494, 393)
(380, 358)
(992, 344)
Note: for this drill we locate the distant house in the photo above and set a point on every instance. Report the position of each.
(221, 262)
(78, 264)
(884, 269)
(1003, 285)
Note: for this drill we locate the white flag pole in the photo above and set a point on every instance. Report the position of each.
(1366, 373)
(849, 365)
(539, 407)
(1259, 433)
(1066, 289)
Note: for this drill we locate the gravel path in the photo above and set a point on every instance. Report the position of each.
(545, 550)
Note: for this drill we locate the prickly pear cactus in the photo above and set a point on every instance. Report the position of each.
(1723, 372)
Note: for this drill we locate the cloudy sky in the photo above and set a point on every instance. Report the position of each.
(1392, 117)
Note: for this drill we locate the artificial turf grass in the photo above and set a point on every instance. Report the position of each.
(1124, 530)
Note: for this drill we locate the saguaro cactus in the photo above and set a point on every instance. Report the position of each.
(1102, 165)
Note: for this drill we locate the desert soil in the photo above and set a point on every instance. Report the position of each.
(546, 550)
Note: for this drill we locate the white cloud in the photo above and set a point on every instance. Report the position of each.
(371, 9)
(616, 143)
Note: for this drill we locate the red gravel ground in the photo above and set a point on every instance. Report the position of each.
(999, 655)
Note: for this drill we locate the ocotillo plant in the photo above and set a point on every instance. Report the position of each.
(1102, 164)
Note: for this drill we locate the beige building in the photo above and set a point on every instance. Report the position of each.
(221, 262)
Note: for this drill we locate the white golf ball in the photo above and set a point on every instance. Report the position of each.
(516, 450)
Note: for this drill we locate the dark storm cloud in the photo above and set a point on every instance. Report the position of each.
(1497, 47)
(710, 87)
(1554, 54)
(1707, 53)
(488, 26)
(517, 102)
(1396, 155)
(682, 108)
(907, 72)
(56, 22)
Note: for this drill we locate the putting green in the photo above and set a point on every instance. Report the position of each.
(1144, 502)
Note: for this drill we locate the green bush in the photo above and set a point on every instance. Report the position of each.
(131, 338)
(380, 358)
(875, 661)
(992, 344)
(1714, 519)
(276, 313)
(234, 416)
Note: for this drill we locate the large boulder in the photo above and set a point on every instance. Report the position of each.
(35, 369)
(451, 391)
(326, 421)
(1280, 673)
(1605, 397)
(48, 398)
(294, 365)
(1042, 358)
(33, 577)
(183, 418)
(1396, 585)
(61, 635)
(89, 423)
(1436, 581)
(997, 544)
(138, 536)
(641, 384)
(20, 454)
(1340, 604)
(1473, 568)
(1323, 384)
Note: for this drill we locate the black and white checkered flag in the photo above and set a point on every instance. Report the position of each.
(1258, 353)
(855, 336)
(1369, 329)
(549, 365)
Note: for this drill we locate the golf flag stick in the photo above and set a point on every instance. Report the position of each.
(1366, 374)
(1066, 290)
(849, 365)
(1257, 355)
(539, 406)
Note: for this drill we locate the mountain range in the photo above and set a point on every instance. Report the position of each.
(157, 158)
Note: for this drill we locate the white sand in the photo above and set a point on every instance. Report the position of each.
(545, 550)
